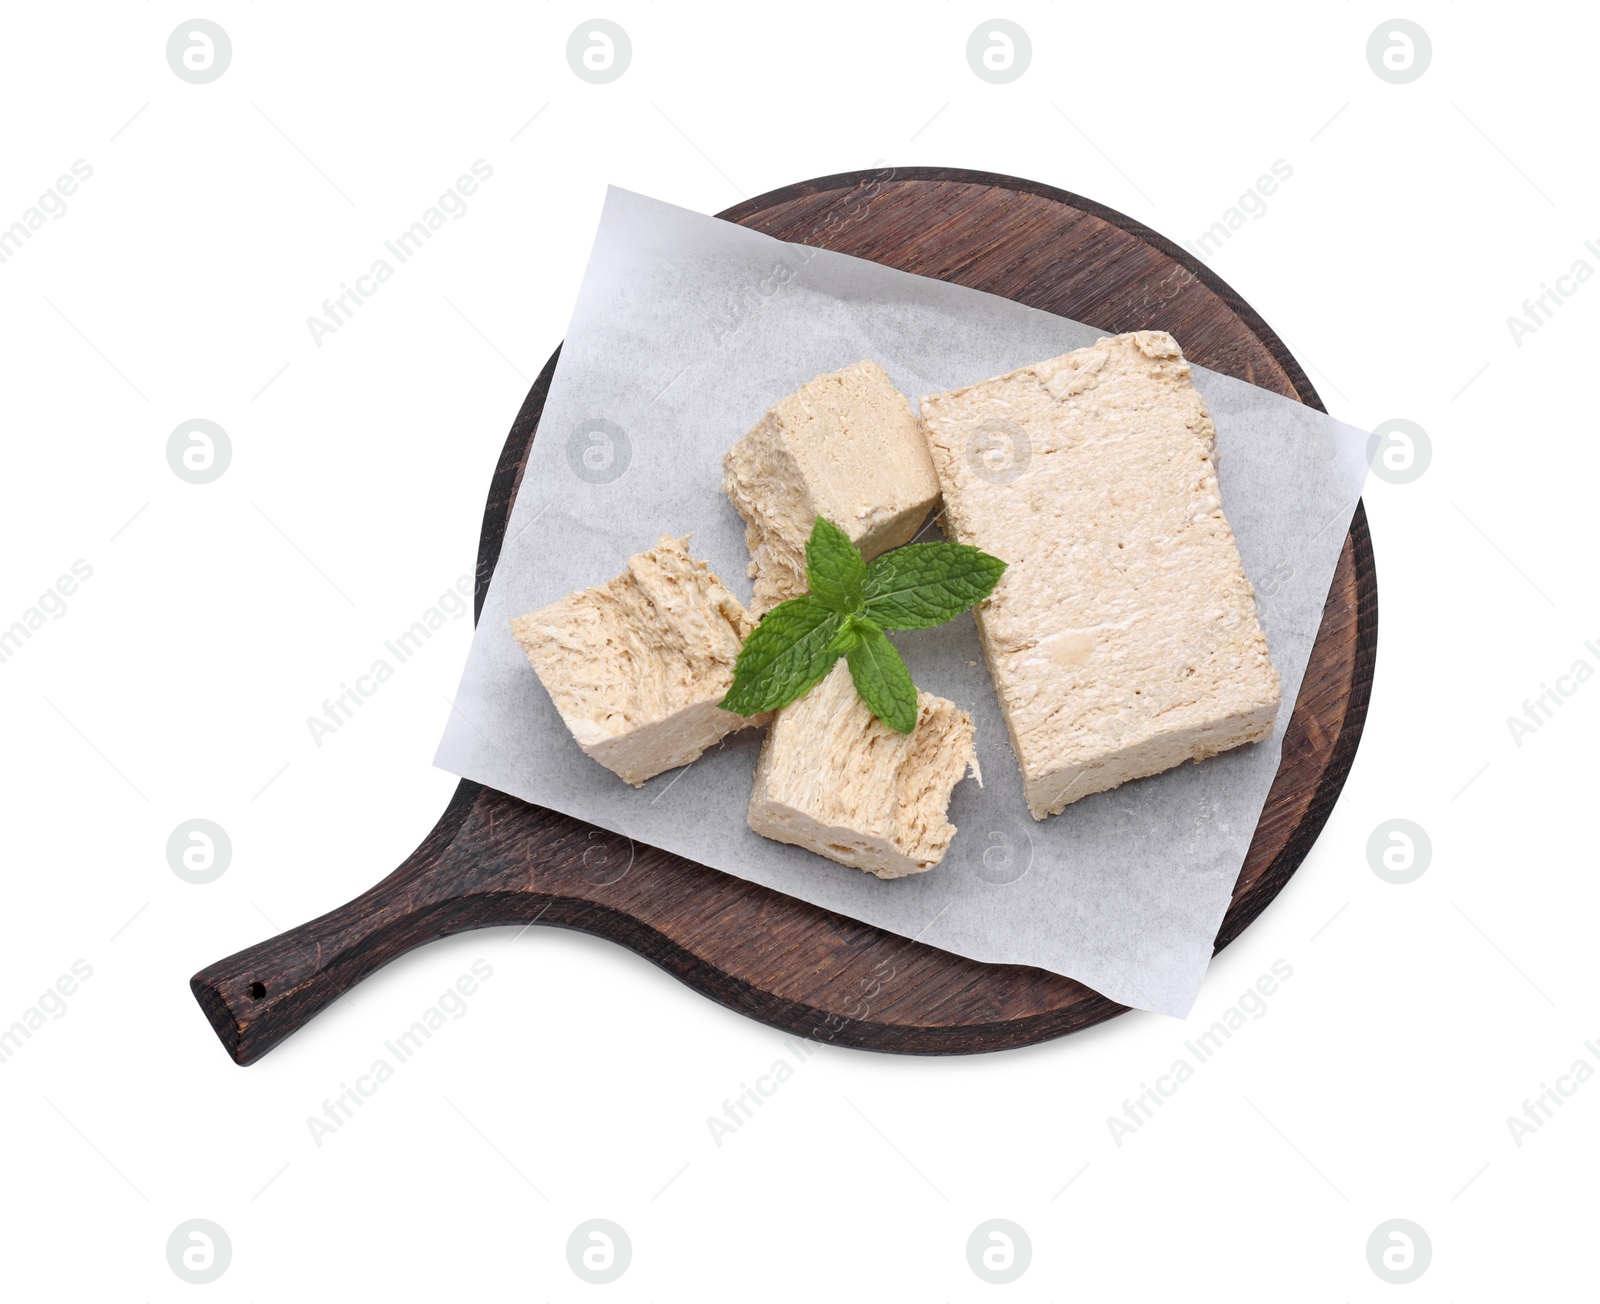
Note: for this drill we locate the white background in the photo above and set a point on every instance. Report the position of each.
(177, 682)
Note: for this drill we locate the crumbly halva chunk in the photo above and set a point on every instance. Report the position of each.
(836, 780)
(637, 666)
(1123, 639)
(845, 446)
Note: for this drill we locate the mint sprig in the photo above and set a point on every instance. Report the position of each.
(849, 606)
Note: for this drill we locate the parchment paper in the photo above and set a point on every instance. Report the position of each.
(686, 330)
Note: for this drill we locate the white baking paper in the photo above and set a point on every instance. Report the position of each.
(686, 330)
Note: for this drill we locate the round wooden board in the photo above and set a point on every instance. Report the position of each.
(492, 859)
(807, 970)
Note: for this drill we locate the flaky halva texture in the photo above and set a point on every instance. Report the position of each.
(836, 780)
(1123, 638)
(637, 666)
(846, 447)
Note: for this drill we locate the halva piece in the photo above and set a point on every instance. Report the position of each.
(846, 447)
(637, 666)
(836, 780)
(1123, 638)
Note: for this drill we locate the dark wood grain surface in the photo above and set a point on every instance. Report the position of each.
(492, 859)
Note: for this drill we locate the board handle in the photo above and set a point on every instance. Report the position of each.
(258, 996)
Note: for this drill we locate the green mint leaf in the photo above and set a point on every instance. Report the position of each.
(787, 655)
(926, 584)
(834, 568)
(848, 636)
(882, 679)
(849, 606)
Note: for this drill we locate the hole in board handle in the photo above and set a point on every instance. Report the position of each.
(257, 991)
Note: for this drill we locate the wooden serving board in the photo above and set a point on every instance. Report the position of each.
(492, 859)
